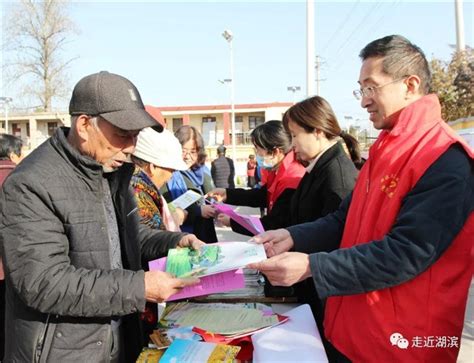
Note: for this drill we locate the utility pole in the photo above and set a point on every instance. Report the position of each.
(6, 104)
(460, 44)
(318, 67)
(318, 77)
(309, 48)
(228, 36)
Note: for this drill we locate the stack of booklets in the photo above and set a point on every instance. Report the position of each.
(227, 322)
(229, 327)
(254, 286)
(217, 265)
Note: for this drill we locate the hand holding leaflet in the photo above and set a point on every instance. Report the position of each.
(252, 224)
(185, 200)
(221, 282)
(212, 259)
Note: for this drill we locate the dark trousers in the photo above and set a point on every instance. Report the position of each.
(251, 181)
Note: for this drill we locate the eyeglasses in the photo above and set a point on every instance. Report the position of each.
(192, 152)
(370, 91)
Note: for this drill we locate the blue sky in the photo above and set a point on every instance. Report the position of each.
(175, 54)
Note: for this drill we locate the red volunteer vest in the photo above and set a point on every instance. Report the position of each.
(420, 320)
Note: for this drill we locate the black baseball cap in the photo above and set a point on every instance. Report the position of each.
(114, 98)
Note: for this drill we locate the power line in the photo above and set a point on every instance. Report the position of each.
(340, 27)
(357, 29)
(361, 34)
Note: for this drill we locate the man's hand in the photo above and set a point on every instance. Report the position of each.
(208, 211)
(159, 285)
(190, 240)
(275, 242)
(218, 194)
(223, 220)
(286, 269)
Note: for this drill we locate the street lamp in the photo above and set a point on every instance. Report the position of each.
(293, 89)
(6, 103)
(228, 36)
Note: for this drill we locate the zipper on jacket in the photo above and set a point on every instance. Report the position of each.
(40, 343)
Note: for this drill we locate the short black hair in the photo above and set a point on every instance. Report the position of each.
(221, 149)
(9, 144)
(271, 135)
(400, 58)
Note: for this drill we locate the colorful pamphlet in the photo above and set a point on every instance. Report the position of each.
(191, 351)
(150, 355)
(163, 338)
(221, 282)
(250, 223)
(185, 200)
(213, 258)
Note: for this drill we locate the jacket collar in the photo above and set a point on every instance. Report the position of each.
(82, 163)
(323, 157)
(421, 114)
(87, 166)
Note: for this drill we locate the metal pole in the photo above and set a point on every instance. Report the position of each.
(317, 74)
(460, 44)
(310, 48)
(6, 104)
(232, 95)
(5, 108)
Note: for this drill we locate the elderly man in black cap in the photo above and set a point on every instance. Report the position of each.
(222, 170)
(70, 236)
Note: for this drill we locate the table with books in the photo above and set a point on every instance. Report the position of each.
(227, 316)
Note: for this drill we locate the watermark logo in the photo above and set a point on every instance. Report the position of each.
(431, 341)
(398, 340)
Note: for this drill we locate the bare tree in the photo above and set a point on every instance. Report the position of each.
(453, 82)
(35, 35)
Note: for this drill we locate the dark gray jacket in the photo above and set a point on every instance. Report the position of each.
(223, 172)
(61, 293)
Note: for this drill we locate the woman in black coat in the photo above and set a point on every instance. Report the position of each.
(282, 173)
(330, 177)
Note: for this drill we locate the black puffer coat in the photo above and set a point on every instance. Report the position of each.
(61, 294)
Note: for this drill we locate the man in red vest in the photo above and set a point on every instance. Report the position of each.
(395, 261)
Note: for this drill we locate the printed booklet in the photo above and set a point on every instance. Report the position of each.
(213, 258)
(192, 351)
(185, 200)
